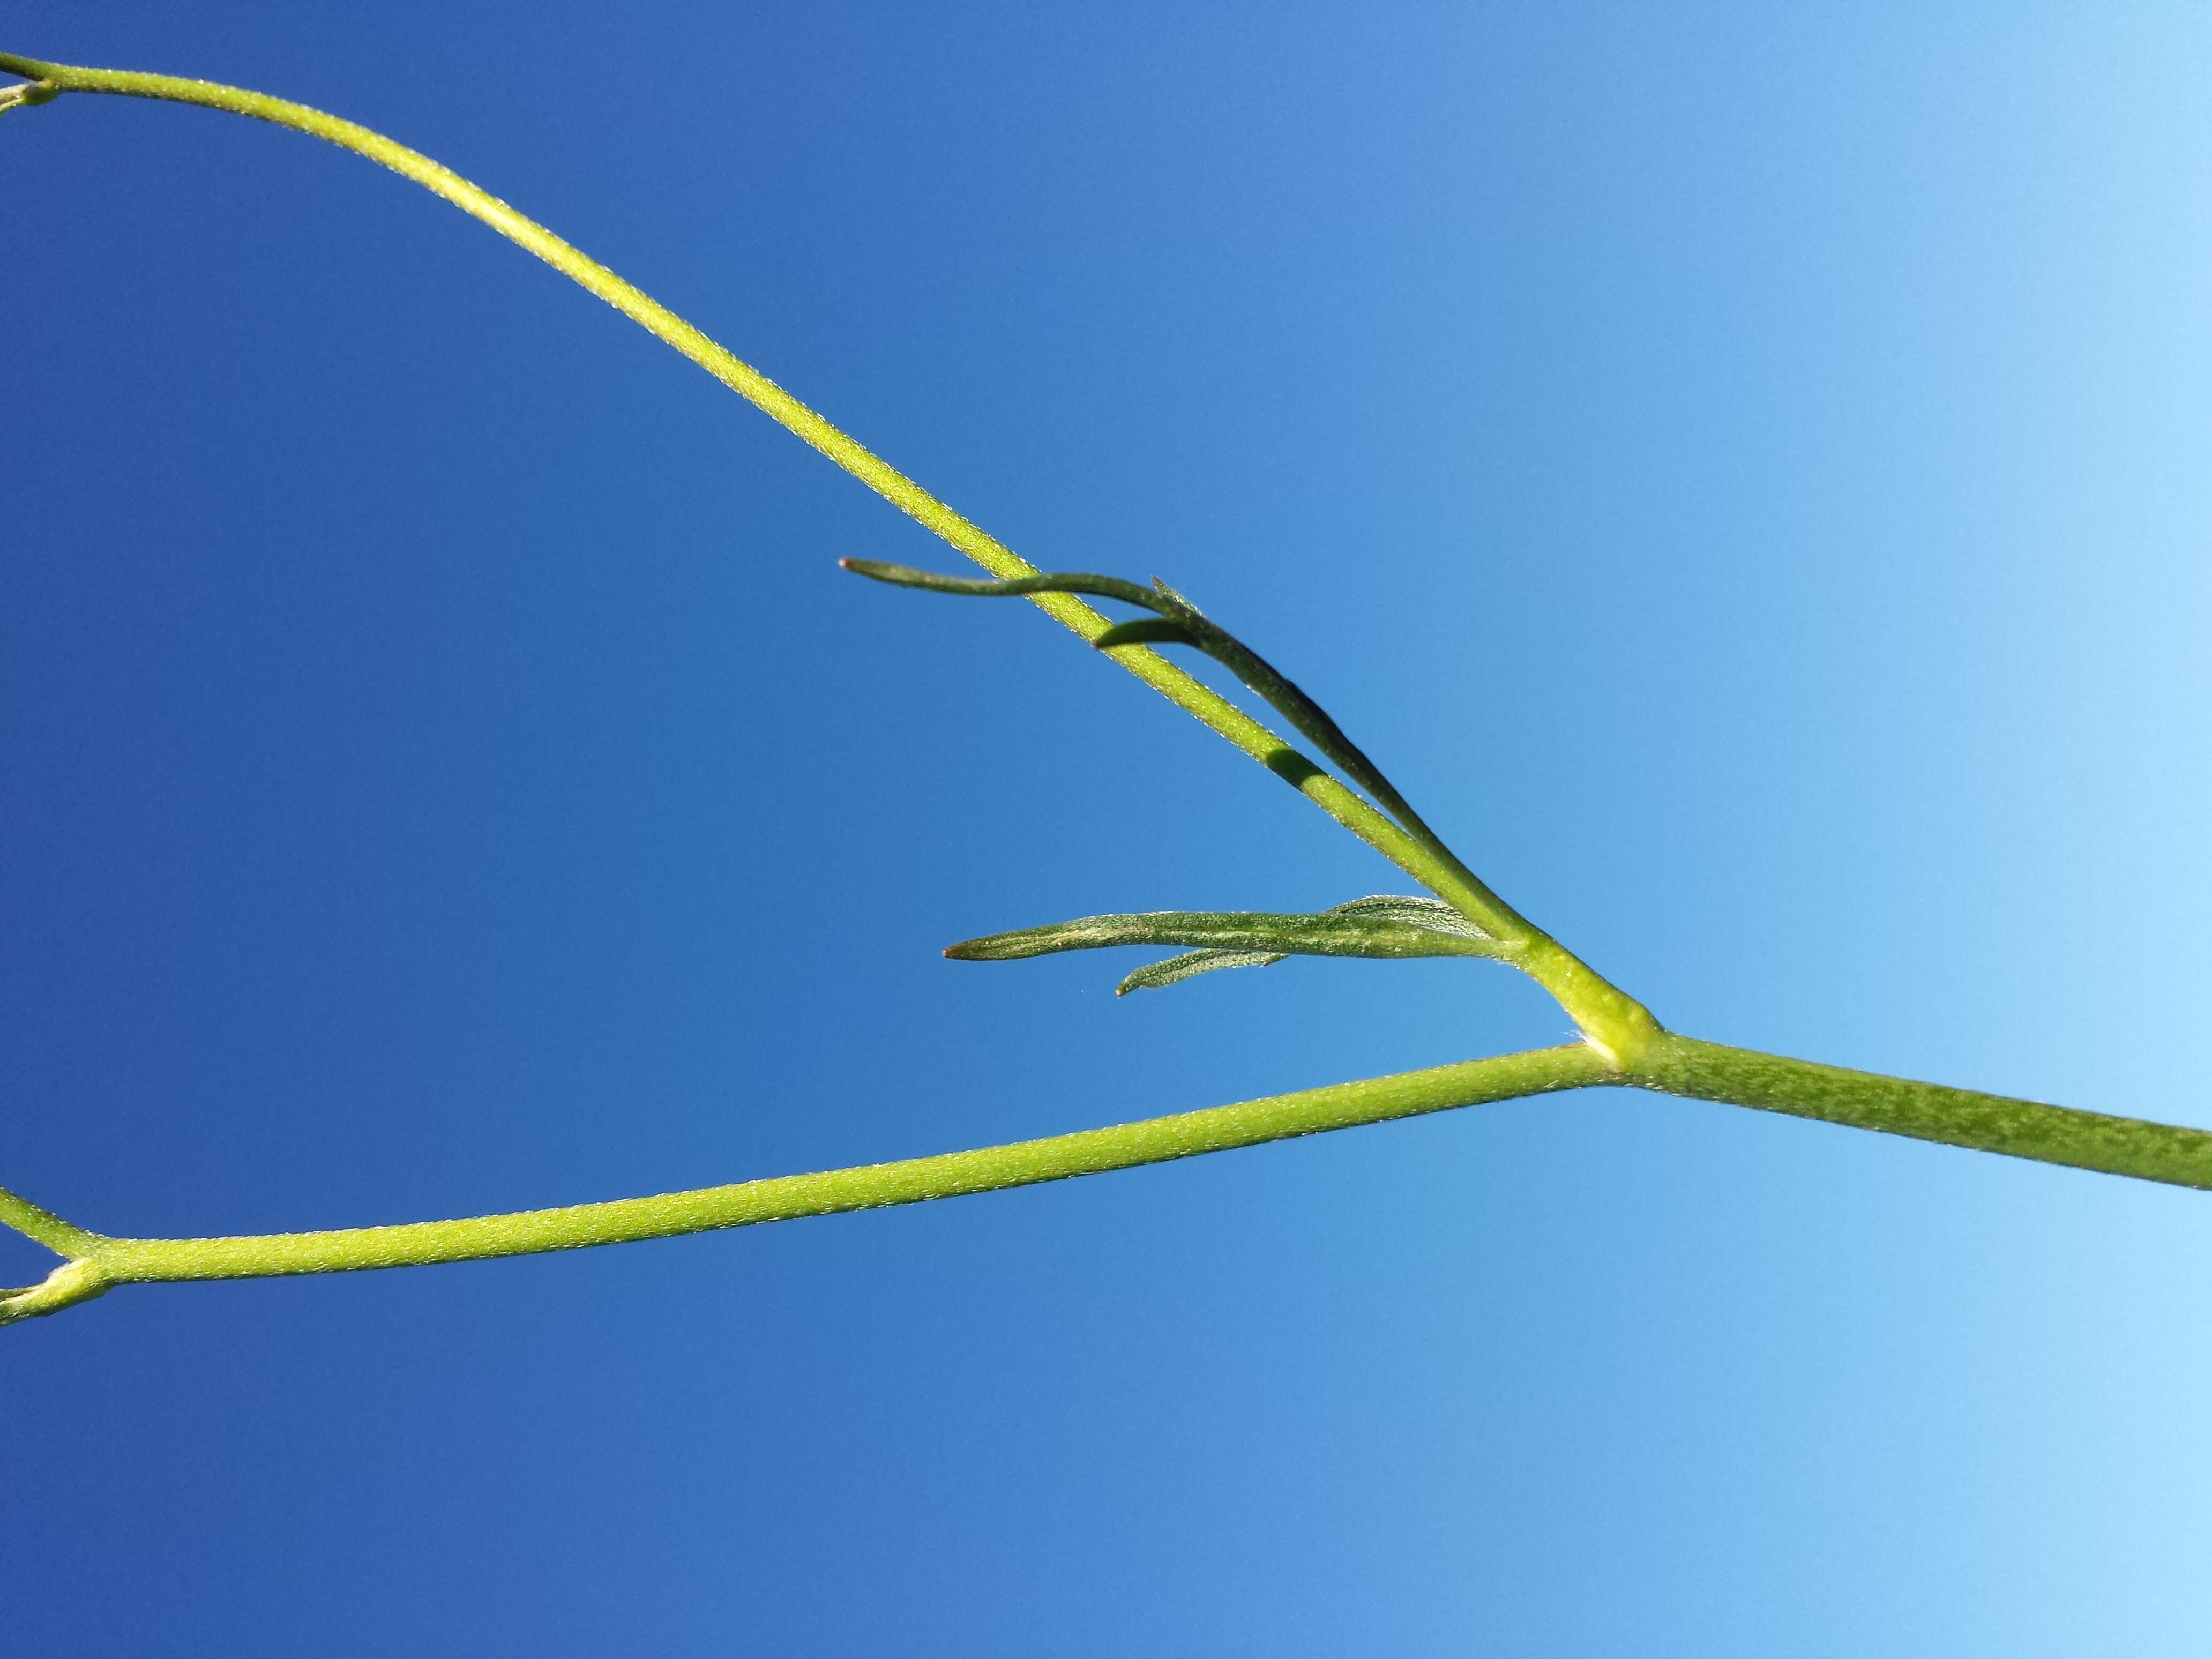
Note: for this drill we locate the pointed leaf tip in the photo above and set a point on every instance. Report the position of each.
(878, 570)
(1161, 975)
(1176, 620)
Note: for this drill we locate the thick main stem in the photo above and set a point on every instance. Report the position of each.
(1676, 1065)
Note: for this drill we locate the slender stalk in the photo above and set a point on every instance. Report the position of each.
(44, 1227)
(1605, 1012)
(100, 1263)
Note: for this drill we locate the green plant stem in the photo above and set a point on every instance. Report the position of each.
(104, 1262)
(1676, 1065)
(1603, 1011)
(1671, 1065)
(44, 1227)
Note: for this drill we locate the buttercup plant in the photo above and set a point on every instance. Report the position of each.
(1621, 1044)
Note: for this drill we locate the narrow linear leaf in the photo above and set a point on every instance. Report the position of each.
(1282, 694)
(1064, 582)
(1161, 975)
(1393, 927)
(1385, 926)
(1145, 630)
(1187, 625)
(1433, 914)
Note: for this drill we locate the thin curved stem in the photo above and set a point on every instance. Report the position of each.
(873, 1186)
(1605, 1012)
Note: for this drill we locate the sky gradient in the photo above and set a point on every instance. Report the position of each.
(1744, 475)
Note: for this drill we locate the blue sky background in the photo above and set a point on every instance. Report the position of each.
(1744, 474)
